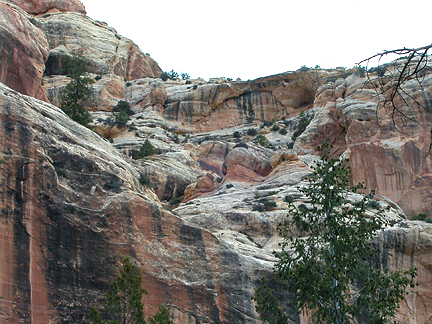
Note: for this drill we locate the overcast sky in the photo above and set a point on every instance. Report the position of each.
(250, 39)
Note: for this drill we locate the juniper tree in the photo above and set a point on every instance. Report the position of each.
(77, 93)
(325, 261)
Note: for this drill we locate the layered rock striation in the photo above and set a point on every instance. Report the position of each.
(200, 216)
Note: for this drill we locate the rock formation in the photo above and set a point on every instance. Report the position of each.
(49, 6)
(23, 52)
(107, 51)
(73, 203)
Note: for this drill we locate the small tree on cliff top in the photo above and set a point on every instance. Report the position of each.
(77, 94)
(123, 303)
(329, 271)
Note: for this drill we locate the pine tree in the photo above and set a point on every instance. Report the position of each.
(123, 303)
(77, 93)
(146, 149)
(328, 268)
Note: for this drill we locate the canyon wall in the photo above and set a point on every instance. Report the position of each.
(73, 202)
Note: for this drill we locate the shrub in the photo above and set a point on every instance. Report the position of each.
(173, 75)
(360, 71)
(145, 180)
(275, 128)
(98, 77)
(261, 140)
(264, 205)
(374, 204)
(422, 217)
(241, 144)
(283, 131)
(229, 185)
(164, 76)
(113, 185)
(236, 134)
(252, 132)
(184, 76)
(302, 125)
(175, 201)
(267, 123)
(122, 113)
(304, 68)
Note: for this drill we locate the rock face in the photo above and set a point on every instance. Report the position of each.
(70, 197)
(390, 158)
(23, 52)
(49, 6)
(108, 52)
(74, 204)
(216, 106)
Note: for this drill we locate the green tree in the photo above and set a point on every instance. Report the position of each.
(122, 112)
(77, 94)
(326, 256)
(146, 149)
(123, 303)
(162, 316)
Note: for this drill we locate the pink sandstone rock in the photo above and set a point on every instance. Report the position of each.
(23, 53)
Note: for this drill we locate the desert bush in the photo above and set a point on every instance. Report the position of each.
(252, 132)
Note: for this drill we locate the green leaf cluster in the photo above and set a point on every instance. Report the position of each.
(326, 256)
(77, 93)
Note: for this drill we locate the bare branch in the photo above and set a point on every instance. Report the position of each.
(395, 96)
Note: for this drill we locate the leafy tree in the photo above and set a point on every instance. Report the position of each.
(329, 271)
(123, 303)
(77, 94)
(146, 149)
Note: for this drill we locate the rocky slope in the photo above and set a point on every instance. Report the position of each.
(194, 216)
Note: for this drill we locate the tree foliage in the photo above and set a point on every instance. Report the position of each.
(123, 304)
(326, 256)
(77, 94)
(146, 149)
(122, 112)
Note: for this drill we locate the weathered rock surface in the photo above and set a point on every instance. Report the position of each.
(23, 52)
(216, 106)
(74, 204)
(108, 52)
(49, 6)
(70, 198)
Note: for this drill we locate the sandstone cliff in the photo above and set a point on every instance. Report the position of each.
(73, 203)
(23, 52)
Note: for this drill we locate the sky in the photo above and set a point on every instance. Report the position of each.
(248, 39)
